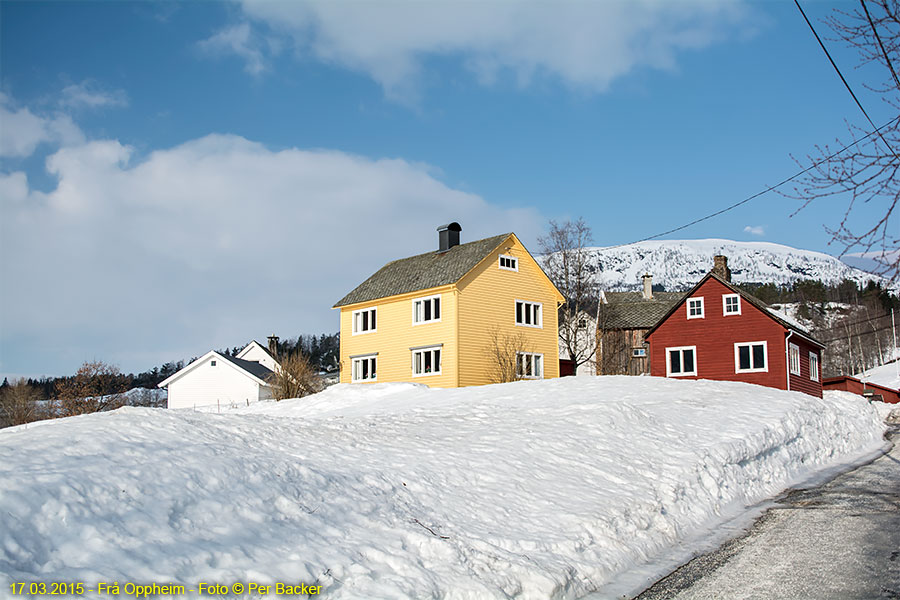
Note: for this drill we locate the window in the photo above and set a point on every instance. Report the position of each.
(751, 357)
(427, 310)
(813, 366)
(528, 314)
(364, 321)
(731, 304)
(681, 361)
(426, 361)
(530, 365)
(363, 368)
(695, 308)
(795, 359)
(509, 263)
(638, 352)
(212, 363)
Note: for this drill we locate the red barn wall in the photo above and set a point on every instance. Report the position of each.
(715, 336)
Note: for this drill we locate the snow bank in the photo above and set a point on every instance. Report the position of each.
(539, 489)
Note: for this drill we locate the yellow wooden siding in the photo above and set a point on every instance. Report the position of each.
(395, 334)
(487, 298)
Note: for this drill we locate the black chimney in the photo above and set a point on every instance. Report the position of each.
(448, 236)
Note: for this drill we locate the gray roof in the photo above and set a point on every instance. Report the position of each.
(629, 310)
(423, 271)
(251, 366)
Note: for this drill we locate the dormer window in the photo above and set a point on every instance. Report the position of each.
(509, 263)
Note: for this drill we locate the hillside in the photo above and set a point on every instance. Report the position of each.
(532, 489)
(679, 264)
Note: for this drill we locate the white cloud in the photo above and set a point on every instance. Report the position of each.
(240, 41)
(208, 244)
(23, 131)
(584, 44)
(755, 229)
(90, 94)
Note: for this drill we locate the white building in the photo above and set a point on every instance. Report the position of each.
(216, 378)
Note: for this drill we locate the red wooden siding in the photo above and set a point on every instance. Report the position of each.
(802, 382)
(852, 384)
(716, 334)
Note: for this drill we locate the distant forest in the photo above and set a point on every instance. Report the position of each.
(322, 350)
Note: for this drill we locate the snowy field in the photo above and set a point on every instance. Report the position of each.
(536, 489)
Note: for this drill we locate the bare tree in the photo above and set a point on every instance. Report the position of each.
(97, 386)
(19, 404)
(296, 378)
(503, 352)
(566, 261)
(867, 171)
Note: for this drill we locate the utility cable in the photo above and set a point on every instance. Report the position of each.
(841, 75)
(887, 59)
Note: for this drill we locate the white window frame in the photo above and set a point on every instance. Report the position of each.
(752, 369)
(423, 300)
(702, 308)
(681, 349)
(725, 298)
(357, 361)
(521, 360)
(515, 262)
(794, 359)
(428, 349)
(374, 311)
(539, 313)
(813, 372)
(639, 353)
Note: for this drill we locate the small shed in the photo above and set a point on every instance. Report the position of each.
(870, 390)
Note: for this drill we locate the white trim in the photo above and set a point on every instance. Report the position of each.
(521, 372)
(201, 361)
(374, 310)
(540, 314)
(814, 359)
(427, 299)
(512, 258)
(357, 360)
(702, 308)
(638, 353)
(752, 369)
(431, 349)
(681, 349)
(725, 298)
(792, 348)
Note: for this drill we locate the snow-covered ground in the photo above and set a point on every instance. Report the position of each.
(535, 489)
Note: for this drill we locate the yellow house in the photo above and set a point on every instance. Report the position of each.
(437, 317)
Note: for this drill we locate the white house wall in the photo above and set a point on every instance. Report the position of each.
(207, 384)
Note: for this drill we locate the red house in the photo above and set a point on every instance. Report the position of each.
(719, 332)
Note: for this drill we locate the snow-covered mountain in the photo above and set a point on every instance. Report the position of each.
(679, 264)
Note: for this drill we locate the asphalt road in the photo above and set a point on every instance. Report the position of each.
(839, 541)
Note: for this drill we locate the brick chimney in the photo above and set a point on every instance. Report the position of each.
(647, 293)
(273, 345)
(448, 236)
(720, 267)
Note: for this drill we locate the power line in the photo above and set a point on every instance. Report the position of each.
(846, 85)
(815, 164)
(887, 59)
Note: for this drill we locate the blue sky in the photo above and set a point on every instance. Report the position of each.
(178, 177)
